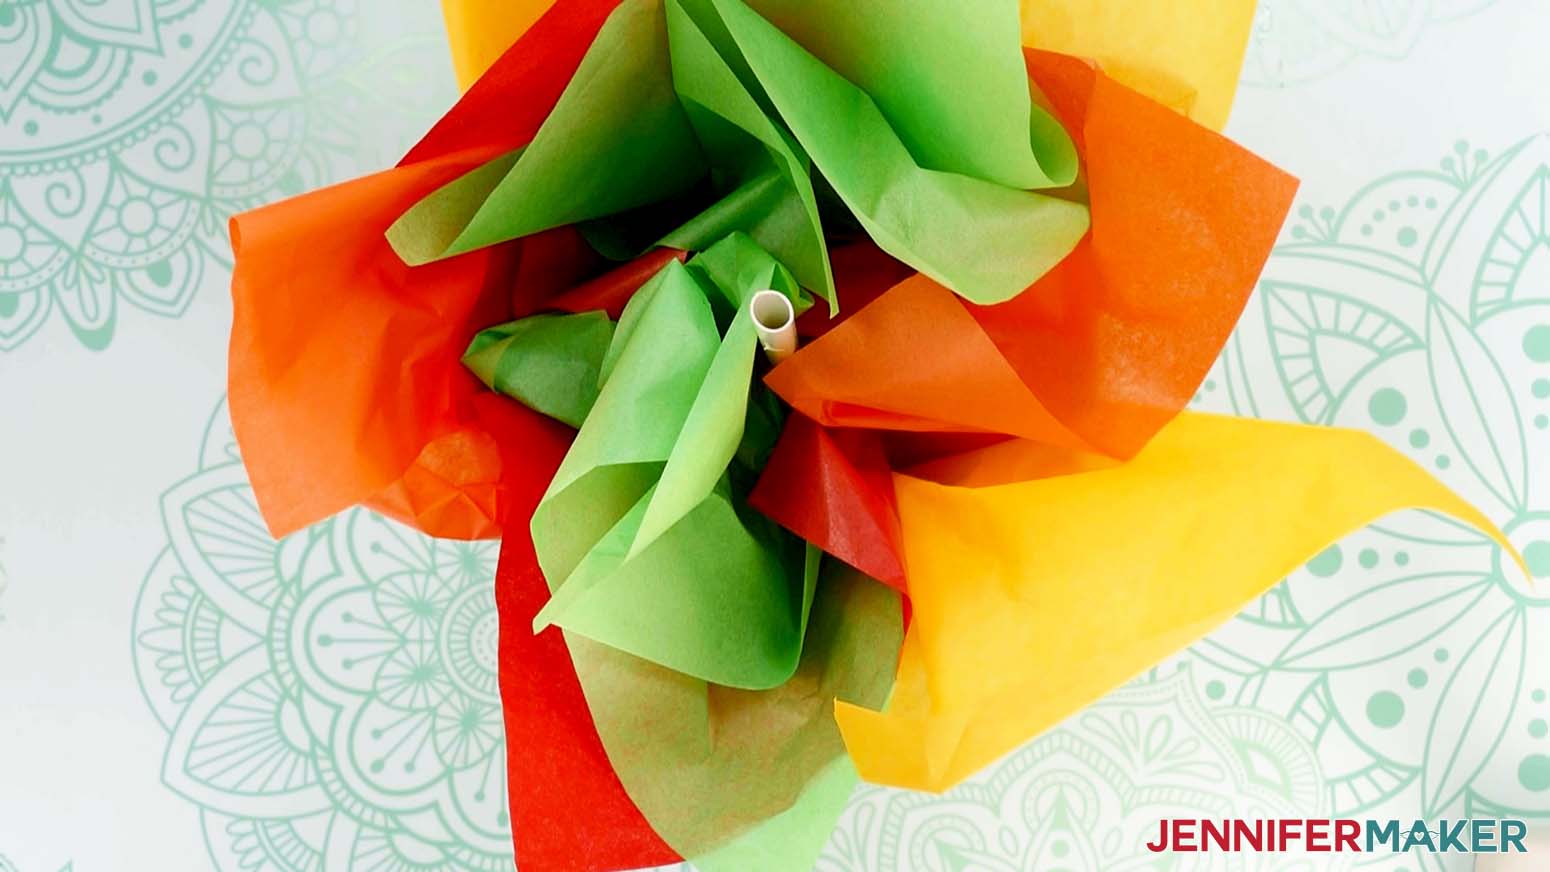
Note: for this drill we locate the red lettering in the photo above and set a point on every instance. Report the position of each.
(1184, 835)
(1346, 831)
(1242, 835)
(1162, 838)
(1317, 831)
(1209, 833)
(1290, 831)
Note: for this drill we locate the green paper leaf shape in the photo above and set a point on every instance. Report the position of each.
(644, 535)
(738, 780)
(984, 241)
(617, 139)
(551, 363)
(692, 119)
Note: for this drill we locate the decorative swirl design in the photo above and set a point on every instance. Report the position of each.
(1398, 674)
(257, 63)
(66, 197)
(130, 130)
(1417, 309)
(1421, 313)
(174, 148)
(1088, 795)
(345, 676)
(1297, 41)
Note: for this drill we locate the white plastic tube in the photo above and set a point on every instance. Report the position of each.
(776, 323)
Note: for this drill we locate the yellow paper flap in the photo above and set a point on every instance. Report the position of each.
(1033, 599)
(480, 31)
(1185, 54)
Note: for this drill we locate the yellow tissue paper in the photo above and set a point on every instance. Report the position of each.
(1032, 599)
(1184, 54)
(479, 31)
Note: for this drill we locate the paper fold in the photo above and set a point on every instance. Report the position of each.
(1032, 599)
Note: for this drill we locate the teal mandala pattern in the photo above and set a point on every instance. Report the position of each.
(331, 699)
(130, 130)
(1402, 672)
(1089, 794)
(1413, 653)
(1296, 41)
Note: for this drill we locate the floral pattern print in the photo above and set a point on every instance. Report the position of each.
(328, 702)
(1400, 673)
(130, 130)
(1301, 40)
(330, 699)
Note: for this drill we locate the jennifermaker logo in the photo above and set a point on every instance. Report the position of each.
(1468, 836)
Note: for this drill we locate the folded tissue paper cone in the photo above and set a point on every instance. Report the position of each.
(740, 571)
